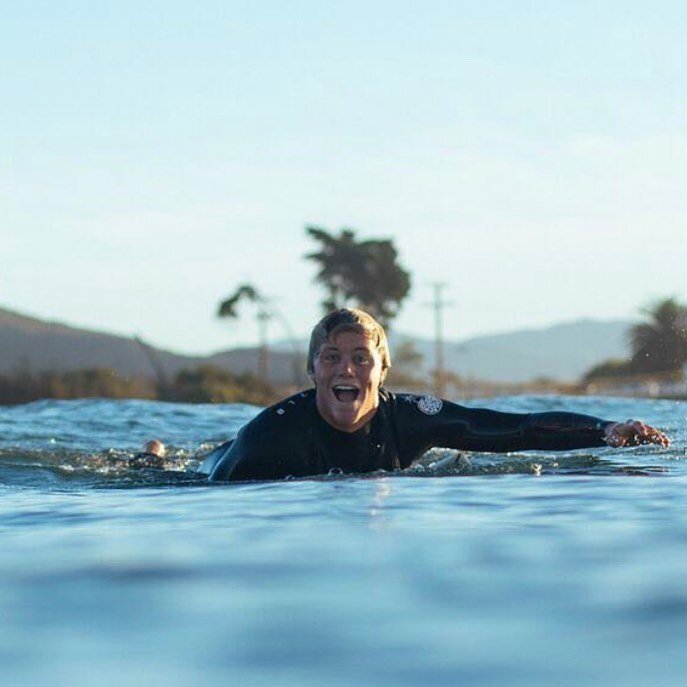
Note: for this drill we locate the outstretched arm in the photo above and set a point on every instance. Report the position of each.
(475, 429)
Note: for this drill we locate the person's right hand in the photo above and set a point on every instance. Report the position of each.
(632, 433)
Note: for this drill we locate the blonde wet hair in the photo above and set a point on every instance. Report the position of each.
(156, 447)
(349, 320)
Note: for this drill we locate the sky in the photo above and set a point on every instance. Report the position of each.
(531, 156)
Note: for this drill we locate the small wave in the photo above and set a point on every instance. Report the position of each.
(114, 467)
(448, 462)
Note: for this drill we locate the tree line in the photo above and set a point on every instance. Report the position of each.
(367, 274)
(203, 384)
(361, 273)
(364, 273)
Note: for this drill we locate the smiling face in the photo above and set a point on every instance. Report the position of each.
(347, 372)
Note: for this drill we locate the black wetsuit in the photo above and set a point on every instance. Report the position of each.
(291, 438)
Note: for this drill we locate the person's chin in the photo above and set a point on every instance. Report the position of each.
(346, 419)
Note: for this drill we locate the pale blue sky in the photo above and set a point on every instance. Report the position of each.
(532, 155)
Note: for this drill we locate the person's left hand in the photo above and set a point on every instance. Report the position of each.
(632, 433)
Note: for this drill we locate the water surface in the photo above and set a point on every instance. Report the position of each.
(522, 569)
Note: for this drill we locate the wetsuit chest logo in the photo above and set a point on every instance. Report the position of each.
(430, 405)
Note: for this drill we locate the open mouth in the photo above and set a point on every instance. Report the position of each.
(345, 394)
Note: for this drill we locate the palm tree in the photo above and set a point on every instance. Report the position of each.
(266, 311)
(227, 308)
(361, 273)
(660, 343)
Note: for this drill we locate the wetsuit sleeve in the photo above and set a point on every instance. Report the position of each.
(273, 445)
(251, 456)
(476, 429)
(211, 460)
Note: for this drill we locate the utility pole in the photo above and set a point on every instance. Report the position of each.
(265, 312)
(438, 305)
(264, 316)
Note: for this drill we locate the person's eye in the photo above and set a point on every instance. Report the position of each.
(361, 359)
(331, 357)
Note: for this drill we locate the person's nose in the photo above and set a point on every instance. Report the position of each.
(346, 367)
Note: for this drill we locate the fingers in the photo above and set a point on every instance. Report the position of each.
(633, 433)
(645, 434)
(655, 436)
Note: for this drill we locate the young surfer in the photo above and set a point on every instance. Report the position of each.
(349, 423)
(152, 456)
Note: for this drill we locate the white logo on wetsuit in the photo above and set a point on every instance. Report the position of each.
(430, 405)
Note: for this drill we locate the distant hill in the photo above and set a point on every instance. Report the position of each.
(34, 345)
(27, 343)
(562, 352)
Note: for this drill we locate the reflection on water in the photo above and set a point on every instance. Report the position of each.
(383, 490)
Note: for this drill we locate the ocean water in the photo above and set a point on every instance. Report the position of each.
(520, 569)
